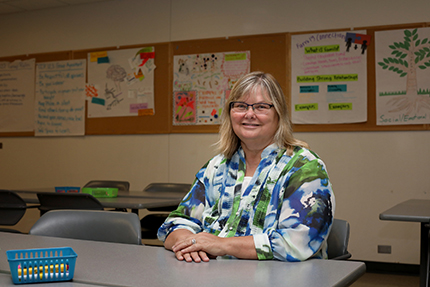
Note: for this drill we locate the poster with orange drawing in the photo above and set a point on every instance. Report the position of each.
(207, 79)
(185, 111)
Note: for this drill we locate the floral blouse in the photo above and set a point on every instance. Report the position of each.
(288, 206)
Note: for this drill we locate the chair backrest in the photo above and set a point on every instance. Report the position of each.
(338, 240)
(176, 188)
(12, 207)
(168, 187)
(96, 225)
(51, 201)
(121, 185)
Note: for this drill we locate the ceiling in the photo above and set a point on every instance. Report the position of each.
(18, 6)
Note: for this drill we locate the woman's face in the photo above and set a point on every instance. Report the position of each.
(256, 131)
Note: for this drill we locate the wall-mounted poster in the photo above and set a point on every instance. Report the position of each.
(60, 98)
(121, 83)
(403, 76)
(202, 82)
(328, 77)
(17, 96)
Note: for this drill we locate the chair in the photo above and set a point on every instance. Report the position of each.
(156, 216)
(95, 225)
(12, 209)
(121, 185)
(338, 240)
(50, 201)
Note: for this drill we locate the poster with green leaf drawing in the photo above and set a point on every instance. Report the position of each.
(403, 76)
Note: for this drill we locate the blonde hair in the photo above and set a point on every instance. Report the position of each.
(229, 142)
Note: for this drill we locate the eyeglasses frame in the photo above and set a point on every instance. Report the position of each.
(250, 105)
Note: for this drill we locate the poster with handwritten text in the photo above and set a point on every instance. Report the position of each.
(328, 77)
(60, 98)
(402, 76)
(121, 83)
(201, 83)
(17, 96)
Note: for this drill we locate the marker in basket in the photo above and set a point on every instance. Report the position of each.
(49, 271)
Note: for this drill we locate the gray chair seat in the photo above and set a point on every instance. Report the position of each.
(338, 240)
(12, 209)
(52, 201)
(95, 225)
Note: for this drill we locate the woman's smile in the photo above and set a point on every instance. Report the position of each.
(254, 129)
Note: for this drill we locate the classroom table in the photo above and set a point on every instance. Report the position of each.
(115, 264)
(121, 193)
(414, 210)
(6, 281)
(133, 200)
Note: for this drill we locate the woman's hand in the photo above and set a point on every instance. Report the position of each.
(198, 247)
(193, 256)
(204, 246)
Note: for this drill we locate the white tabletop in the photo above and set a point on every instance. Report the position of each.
(133, 265)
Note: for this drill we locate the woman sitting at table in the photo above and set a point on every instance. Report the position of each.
(265, 196)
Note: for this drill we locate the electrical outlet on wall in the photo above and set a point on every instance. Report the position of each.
(385, 249)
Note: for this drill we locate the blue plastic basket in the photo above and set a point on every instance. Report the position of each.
(42, 265)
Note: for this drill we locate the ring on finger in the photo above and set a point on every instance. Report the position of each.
(193, 241)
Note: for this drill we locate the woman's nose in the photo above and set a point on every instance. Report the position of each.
(249, 111)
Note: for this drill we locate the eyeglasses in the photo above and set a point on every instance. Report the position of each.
(258, 108)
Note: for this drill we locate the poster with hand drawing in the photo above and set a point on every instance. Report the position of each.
(403, 76)
(121, 83)
(201, 83)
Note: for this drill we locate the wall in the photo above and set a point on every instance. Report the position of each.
(370, 171)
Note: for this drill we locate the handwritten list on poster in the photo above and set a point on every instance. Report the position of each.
(329, 80)
(17, 96)
(60, 98)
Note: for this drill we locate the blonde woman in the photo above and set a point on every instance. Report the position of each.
(264, 196)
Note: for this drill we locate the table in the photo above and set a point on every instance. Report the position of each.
(6, 281)
(116, 264)
(133, 200)
(414, 210)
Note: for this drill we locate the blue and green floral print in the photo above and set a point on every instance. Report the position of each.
(288, 206)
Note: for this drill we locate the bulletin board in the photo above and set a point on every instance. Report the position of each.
(158, 123)
(42, 57)
(269, 53)
(370, 123)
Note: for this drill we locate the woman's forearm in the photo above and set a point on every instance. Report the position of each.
(242, 247)
(176, 235)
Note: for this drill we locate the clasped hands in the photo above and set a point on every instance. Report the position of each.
(198, 247)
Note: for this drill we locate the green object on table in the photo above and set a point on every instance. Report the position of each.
(101, 191)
